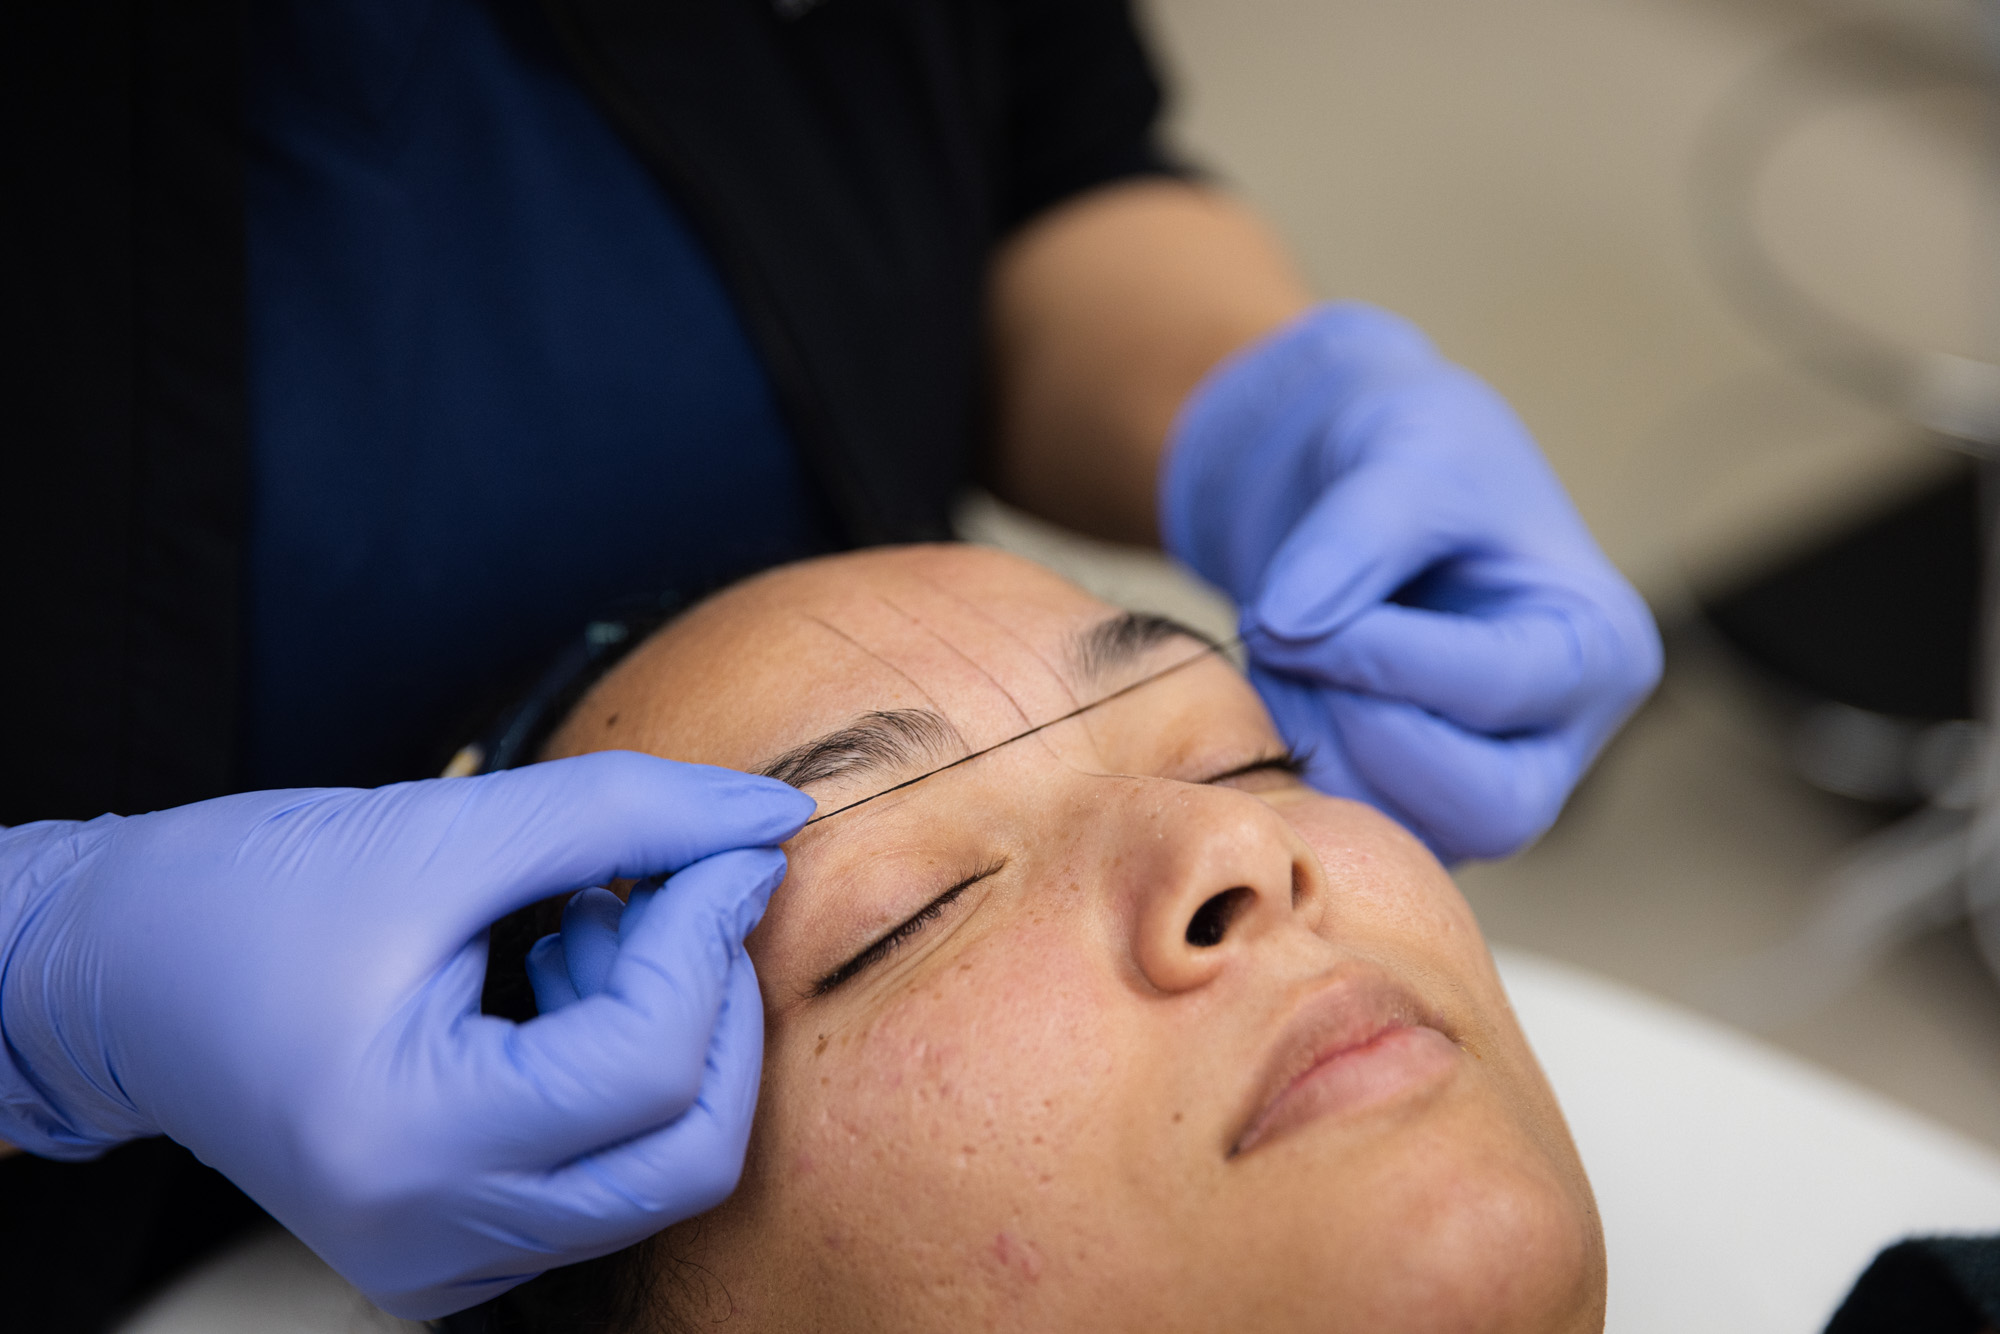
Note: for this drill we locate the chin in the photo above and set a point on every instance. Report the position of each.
(1457, 1229)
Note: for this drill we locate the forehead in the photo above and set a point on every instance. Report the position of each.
(982, 638)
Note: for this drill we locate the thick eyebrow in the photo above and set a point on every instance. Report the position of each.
(1118, 641)
(874, 742)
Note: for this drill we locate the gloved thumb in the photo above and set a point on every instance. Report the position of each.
(577, 962)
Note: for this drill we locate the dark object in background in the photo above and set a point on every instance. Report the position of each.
(84, 1242)
(1880, 617)
(1930, 1285)
(1872, 634)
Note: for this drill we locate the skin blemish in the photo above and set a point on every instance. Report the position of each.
(822, 1045)
(1017, 1256)
(611, 722)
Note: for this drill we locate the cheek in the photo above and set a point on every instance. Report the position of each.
(1384, 887)
(944, 1141)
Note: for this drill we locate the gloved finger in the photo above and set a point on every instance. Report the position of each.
(590, 929)
(691, 1166)
(521, 835)
(1365, 537)
(619, 1195)
(631, 1058)
(548, 974)
(641, 897)
(1464, 793)
(1525, 669)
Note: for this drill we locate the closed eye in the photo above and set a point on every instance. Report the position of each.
(1288, 762)
(901, 933)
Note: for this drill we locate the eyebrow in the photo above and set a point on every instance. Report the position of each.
(1119, 641)
(897, 739)
(876, 741)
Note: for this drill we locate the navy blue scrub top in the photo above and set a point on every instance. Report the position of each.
(496, 382)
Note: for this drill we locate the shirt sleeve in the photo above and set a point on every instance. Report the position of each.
(1084, 103)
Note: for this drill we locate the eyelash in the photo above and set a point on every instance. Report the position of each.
(888, 944)
(1292, 762)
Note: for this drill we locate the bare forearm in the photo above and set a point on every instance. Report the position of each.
(1106, 312)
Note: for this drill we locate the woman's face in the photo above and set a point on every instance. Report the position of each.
(1116, 1027)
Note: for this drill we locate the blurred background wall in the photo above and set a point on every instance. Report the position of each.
(1540, 184)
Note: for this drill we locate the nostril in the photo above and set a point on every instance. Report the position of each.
(1211, 921)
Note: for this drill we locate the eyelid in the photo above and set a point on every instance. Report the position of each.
(890, 941)
(1289, 762)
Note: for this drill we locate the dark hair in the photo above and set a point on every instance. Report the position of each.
(646, 1286)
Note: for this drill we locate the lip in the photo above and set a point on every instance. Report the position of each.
(1356, 1042)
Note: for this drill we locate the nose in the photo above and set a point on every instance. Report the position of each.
(1218, 872)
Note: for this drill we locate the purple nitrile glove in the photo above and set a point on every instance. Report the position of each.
(288, 983)
(1427, 617)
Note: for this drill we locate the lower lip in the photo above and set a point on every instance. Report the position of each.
(1380, 1071)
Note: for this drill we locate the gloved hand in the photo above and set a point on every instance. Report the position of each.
(576, 962)
(288, 984)
(1427, 617)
